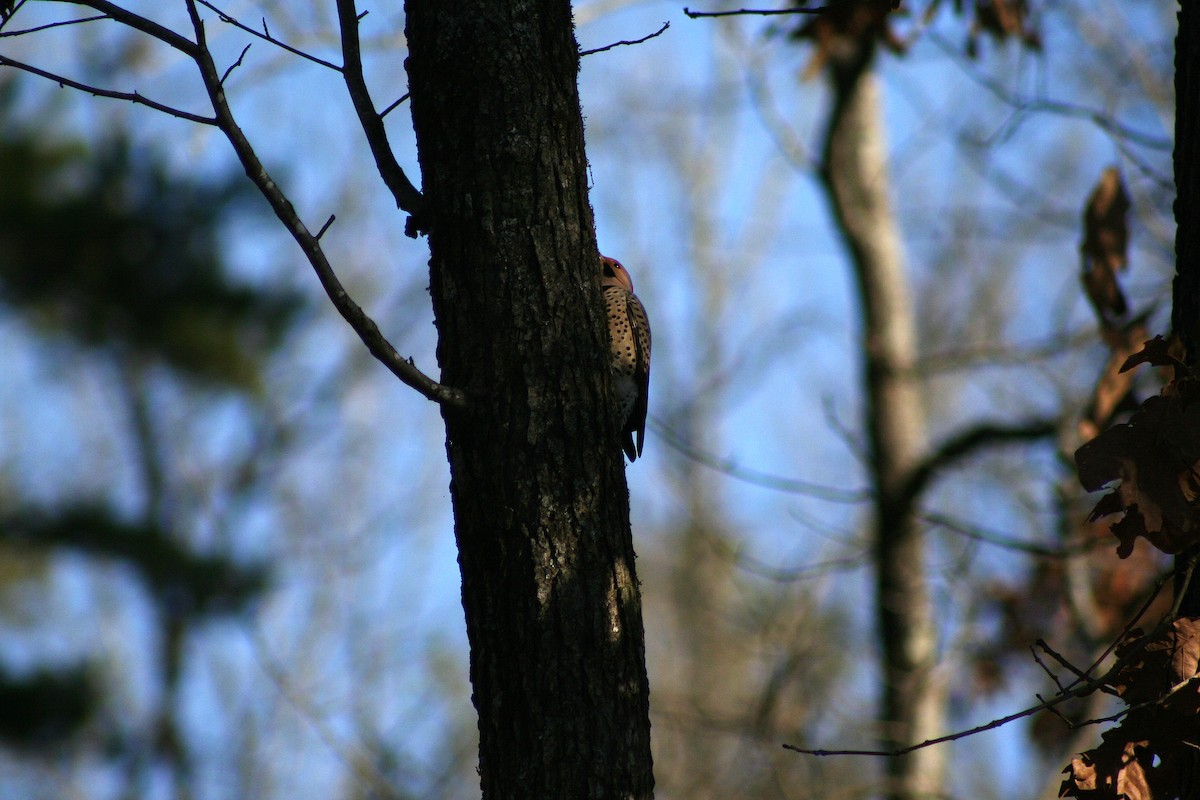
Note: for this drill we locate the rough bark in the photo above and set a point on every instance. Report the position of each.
(540, 502)
(855, 176)
(1185, 310)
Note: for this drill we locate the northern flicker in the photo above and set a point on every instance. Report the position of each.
(629, 338)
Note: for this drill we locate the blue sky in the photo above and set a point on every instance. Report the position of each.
(730, 247)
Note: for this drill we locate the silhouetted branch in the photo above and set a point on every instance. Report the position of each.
(1080, 687)
(647, 38)
(393, 106)
(235, 64)
(363, 325)
(96, 91)
(761, 12)
(406, 195)
(50, 25)
(266, 36)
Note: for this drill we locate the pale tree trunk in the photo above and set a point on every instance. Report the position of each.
(854, 173)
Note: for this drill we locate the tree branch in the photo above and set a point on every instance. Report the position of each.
(147, 26)
(967, 442)
(1021, 105)
(1007, 542)
(49, 25)
(761, 12)
(1080, 687)
(647, 38)
(363, 325)
(266, 36)
(96, 91)
(406, 195)
(755, 477)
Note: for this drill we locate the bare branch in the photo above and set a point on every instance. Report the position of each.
(325, 227)
(950, 737)
(406, 195)
(147, 26)
(237, 63)
(96, 91)
(647, 38)
(967, 442)
(1022, 105)
(1007, 542)
(753, 476)
(266, 36)
(393, 106)
(8, 8)
(363, 325)
(1079, 688)
(49, 25)
(761, 12)
(1050, 673)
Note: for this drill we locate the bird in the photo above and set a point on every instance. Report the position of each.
(629, 340)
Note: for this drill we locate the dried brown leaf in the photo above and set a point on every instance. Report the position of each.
(1161, 671)
(1158, 352)
(1105, 245)
(1113, 771)
(1156, 458)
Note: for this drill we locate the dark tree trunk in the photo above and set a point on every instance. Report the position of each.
(1185, 312)
(540, 502)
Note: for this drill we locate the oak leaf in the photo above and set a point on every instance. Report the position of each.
(1114, 770)
(1156, 458)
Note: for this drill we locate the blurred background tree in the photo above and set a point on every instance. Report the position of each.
(303, 585)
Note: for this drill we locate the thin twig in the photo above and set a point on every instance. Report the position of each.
(363, 325)
(756, 477)
(1024, 105)
(1184, 582)
(325, 227)
(1003, 540)
(761, 12)
(625, 42)
(49, 25)
(390, 108)
(1128, 629)
(96, 91)
(266, 36)
(1080, 687)
(1057, 657)
(1046, 669)
(237, 63)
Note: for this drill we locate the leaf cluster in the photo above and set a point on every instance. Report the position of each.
(1148, 755)
(1156, 458)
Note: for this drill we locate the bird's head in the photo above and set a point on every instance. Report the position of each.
(613, 274)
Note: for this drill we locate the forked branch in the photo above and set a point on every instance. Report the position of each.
(364, 326)
(407, 196)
